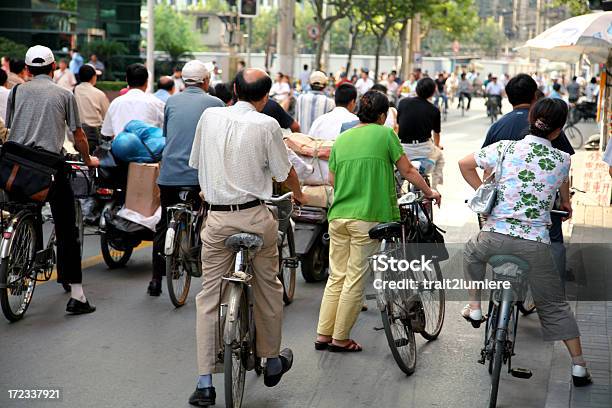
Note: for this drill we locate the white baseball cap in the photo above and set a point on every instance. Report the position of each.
(318, 77)
(195, 72)
(39, 56)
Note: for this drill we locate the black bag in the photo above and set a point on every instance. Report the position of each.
(27, 173)
(432, 240)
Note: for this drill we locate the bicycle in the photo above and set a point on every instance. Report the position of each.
(22, 261)
(441, 104)
(493, 107)
(574, 135)
(183, 244)
(236, 321)
(287, 258)
(462, 103)
(405, 312)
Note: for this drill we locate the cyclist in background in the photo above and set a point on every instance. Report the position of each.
(465, 91)
(441, 91)
(494, 91)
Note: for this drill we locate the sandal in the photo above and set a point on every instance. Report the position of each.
(466, 313)
(322, 345)
(351, 347)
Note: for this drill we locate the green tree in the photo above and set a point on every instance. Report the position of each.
(575, 7)
(490, 36)
(173, 33)
(456, 19)
(109, 52)
(326, 14)
(12, 49)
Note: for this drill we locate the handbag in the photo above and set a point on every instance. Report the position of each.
(485, 198)
(27, 173)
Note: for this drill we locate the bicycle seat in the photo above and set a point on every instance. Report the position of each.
(244, 240)
(499, 260)
(386, 231)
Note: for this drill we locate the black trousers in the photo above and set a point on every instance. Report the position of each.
(66, 232)
(468, 96)
(169, 196)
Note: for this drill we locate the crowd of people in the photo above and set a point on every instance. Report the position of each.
(225, 140)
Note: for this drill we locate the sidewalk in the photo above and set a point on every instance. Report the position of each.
(592, 225)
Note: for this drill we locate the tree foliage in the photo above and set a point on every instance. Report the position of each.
(173, 33)
(456, 19)
(490, 36)
(575, 7)
(12, 49)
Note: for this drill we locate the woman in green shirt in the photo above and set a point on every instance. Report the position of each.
(361, 170)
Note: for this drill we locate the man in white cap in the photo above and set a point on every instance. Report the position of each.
(181, 116)
(37, 114)
(314, 103)
(134, 105)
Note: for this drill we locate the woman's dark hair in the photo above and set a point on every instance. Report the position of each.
(546, 116)
(136, 75)
(521, 89)
(252, 91)
(16, 66)
(425, 88)
(345, 94)
(379, 88)
(593, 80)
(371, 105)
(223, 91)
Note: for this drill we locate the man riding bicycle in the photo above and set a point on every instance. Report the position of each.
(494, 92)
(465, 91)
(38, 112)
(237, 151)
(441, 91)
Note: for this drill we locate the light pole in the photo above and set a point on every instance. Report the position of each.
(151, 43)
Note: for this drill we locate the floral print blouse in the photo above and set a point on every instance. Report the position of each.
(532, 172)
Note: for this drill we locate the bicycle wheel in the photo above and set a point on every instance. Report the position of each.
(16, 281)
(286, 266)
(433, 301)
(498, 360)
(400, 338)
(490, 334)
(177, 270)
(574, 135)
(234, 344)
(113, 257)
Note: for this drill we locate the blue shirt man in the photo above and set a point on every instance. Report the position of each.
(76, 62)
(181, 116)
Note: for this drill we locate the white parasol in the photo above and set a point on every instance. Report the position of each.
(589, 34)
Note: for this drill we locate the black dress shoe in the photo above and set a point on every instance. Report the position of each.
(286, 357)
(77, 307)
(154, 288)
(203, 397)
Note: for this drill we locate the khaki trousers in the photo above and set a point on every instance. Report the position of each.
(350, 248)
(217, 260)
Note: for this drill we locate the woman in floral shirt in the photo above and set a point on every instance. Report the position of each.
(531, 173)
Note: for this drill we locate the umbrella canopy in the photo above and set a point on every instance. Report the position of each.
(589, 34)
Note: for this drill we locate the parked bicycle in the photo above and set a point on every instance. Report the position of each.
(574, 135)
(183, 244)
(407, 311)
(236, 321)
(23, 259)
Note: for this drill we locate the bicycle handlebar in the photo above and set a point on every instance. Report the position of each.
(279, 199)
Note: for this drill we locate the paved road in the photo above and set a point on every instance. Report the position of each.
(137, 351)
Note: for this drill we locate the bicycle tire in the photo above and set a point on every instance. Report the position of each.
(498, 360)
(432, 331)
(175, 264)
(113, 258)
(233, 362)
(574, 135)
(18, 241)
(407, 365)
(287, 275)
(490, 331)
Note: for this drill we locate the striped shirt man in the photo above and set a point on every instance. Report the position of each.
(310, 106)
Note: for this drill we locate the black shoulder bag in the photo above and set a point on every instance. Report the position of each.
(27, 173)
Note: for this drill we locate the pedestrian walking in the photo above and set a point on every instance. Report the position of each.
(63, 77)
(93, 105)
(76, 62)
(364, 83)
(18, 73)
(314, 103)
(165, 88)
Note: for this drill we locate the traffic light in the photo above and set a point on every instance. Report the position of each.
(248, 8)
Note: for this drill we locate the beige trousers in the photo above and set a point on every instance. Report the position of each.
(350, 248)
(217, 260)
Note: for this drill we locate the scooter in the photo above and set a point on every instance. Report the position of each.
(312, 242)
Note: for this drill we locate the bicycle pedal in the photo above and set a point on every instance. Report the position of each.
(521, 373)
